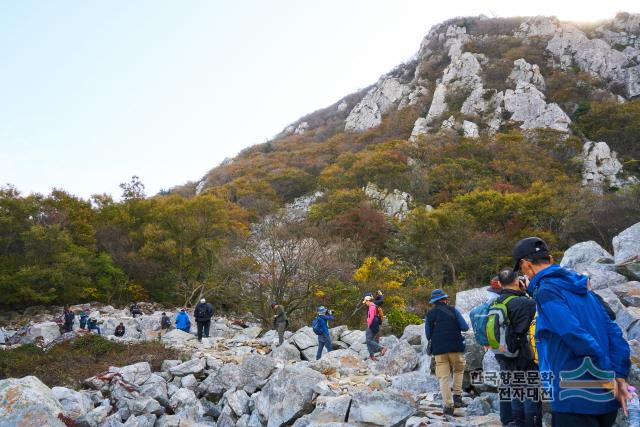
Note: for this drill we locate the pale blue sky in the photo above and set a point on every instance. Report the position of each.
(92, 92)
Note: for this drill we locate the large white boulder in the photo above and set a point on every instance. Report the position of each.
(626, 249)
(601, 168)
(379, 408)
(28, 402)
(380, 99)
(585, 253)
(287, 394)
(75, 404)
(47, 330)
(527, 105)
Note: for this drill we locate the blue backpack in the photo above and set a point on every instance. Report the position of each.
(479, 317)
(316, 325)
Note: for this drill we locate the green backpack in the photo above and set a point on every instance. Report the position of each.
(497, 323)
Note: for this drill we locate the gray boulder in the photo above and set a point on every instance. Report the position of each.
(380, 408)
(626, 249)
(75, 404)
(304, 338)
(287, 395)
(227, 378)
(414, 334)
(146, 420)
(193, 366)
(601, 279)
(352, 337)
(286, 352)
(629, 293)
(346, 362)
(254, 371)
(584, 253)
(183, 399)
(400, 359)
(601, 167)
(136, 374)
(238, 401)
(156, 388)
(177, 337)
(327, 410)
(49, 331)
(468, 300)
(94, 418)
(28, 402)
(478, 407)
(611, 299)
(415, 383)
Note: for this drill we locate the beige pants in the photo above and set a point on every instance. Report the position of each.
(445, 363)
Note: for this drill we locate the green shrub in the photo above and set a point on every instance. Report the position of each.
(400, 319)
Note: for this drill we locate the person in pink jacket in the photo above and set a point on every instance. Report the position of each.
(373, 326)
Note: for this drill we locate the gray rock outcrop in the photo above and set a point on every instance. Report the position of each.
(601, 168)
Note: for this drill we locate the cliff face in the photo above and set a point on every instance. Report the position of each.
(479, 76)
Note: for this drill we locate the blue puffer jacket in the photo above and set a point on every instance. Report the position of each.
(183, 322)
(572, 324)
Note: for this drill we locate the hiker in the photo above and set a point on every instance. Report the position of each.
(572, 326)
(321, 329)
(83, 319)
(443, 327)
(135, 309)
(165, 322)
(518, 355)
(280, 320)
(495, 288)
(182, 321)
(373, 327)
(203, 314)
(92, 324)
(119, 332)
(68, 319)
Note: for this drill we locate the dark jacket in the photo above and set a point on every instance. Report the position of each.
(443, 325)
(521, 311)
(69, 317)
(572, 325)
(203, 312)
(119, 331)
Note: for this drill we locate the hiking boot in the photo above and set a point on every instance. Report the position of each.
(448, 410)
(457, 401)
(383, 351)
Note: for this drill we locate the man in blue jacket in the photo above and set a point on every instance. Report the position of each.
(443, 327)
(324, 339)
(572, 328)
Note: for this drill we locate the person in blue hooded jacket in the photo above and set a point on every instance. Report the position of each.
(571, 327)
(324, 339)
(183, 322)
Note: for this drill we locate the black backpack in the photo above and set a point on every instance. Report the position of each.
(201, 311)
(165, 322)
(68, 317)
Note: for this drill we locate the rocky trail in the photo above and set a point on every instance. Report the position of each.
(241, 377)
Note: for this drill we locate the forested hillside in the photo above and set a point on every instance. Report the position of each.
(496, 130)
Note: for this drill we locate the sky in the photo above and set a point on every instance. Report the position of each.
(93, 92)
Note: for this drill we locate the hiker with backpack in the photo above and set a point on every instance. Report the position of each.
(508, 325)
(203, 314)
(280, 321)
(182, 321)
(321, 329)
(68, 317)
(373, 327)
(83, 319)
(576, 336)
(443, 327)
(165, 322)
(135, 309)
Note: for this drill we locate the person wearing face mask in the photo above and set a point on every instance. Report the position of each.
(571, 326)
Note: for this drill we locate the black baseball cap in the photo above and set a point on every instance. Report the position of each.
(527, 247)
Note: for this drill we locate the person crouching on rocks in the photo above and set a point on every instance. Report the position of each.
(443, 327)
(92, 325)
(183, 322)
(373, 327)
(119, 332)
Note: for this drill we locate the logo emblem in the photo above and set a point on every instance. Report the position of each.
(573, 386)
